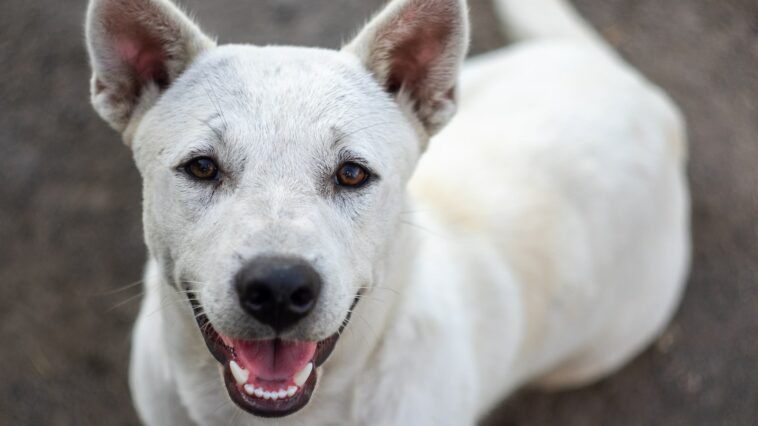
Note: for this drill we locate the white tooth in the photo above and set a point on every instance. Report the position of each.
(249, 389)
(239, 373)
(274, 395)
(282, 393)
(259, 392)
(303, 375)
(266, 395)
(291, 390)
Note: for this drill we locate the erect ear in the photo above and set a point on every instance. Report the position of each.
(137, 48)
(414, 48)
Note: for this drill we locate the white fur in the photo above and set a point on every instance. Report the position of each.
(544, 238)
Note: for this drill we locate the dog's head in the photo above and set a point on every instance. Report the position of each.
(273, 176)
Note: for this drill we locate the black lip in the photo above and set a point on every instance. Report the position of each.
(258, 407)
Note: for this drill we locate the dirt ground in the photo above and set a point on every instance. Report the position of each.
(70, 232)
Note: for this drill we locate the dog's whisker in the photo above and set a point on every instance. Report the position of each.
(133, 296)
(390, 289)
(360, 336)
(371, 298)
(187, 293)
(125, 301)
(120, 289)
(344, 327)
(190, 298)
(195, 282)
(166, 302)
(364, 321)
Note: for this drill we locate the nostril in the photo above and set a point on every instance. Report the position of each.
(302, 299)
(258, 296)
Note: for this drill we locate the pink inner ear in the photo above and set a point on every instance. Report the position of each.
(413, 59)
(415, 54)
(144, 57)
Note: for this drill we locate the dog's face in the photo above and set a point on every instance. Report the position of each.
(259, 162)
(258, 153)
(273, 177)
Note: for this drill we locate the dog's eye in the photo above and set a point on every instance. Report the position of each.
(202, 168)
(351, 175)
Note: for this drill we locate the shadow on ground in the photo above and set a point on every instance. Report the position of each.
(71, 239)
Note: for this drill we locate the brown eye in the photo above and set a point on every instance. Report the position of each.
(202, 168)
(351, 175)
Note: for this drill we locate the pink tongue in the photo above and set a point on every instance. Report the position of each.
(273, 359)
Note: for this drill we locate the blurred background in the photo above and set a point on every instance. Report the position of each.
(71, 238)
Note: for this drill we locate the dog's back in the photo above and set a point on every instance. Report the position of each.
(564, 169)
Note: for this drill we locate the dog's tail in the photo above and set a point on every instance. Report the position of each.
(529, 19)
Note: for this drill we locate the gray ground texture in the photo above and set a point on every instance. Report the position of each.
(70, 232)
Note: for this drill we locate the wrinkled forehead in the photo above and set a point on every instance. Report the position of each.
(268, 99)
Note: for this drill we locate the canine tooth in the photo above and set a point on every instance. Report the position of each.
(291, 390)
(282, 393)
(239, 373)
(303, 375)
(266, 395)
(249, 389)
(259, 392)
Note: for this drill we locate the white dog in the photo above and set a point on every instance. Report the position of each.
(302, 267)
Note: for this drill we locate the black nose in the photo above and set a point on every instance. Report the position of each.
(278, 291)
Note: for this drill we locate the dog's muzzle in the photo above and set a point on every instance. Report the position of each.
(267, 378)
(271, 377)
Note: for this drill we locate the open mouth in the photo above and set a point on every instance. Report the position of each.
(267, 378)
